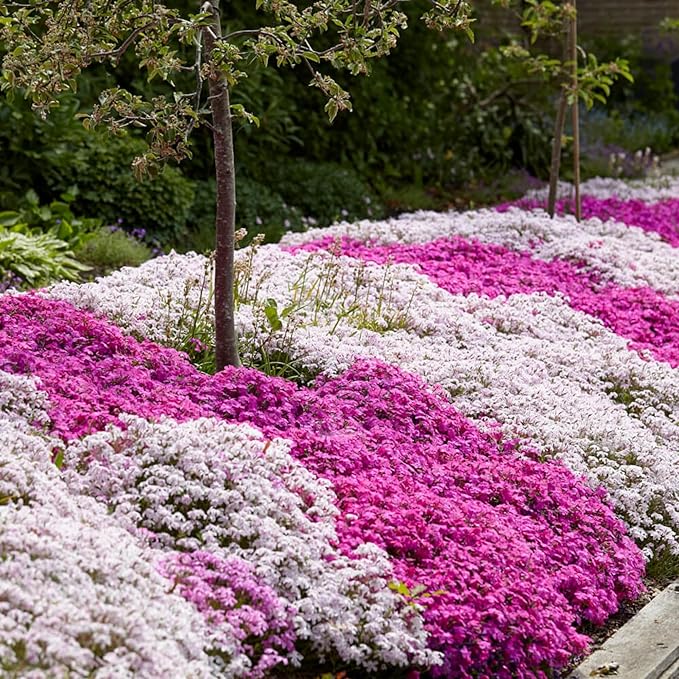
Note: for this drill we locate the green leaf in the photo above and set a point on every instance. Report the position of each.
(331, 109)
(32, 198)
(65, 231)
(400, 588)
(59, 459)
(271, 312)
(9, 218)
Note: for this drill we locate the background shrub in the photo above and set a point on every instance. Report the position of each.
(325, 192)
(260, 211)
(109, 249)
(100, 169)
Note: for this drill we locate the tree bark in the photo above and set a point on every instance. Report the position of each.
(226, 345)
(576, 115)
(556, 151)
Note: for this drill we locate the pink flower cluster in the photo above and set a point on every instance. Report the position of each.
(513, 553)
(647, 317)
(247, 618)
(661, 217)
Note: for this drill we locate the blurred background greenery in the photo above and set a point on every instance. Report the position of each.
(440, 123)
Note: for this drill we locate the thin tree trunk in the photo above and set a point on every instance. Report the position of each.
(226, 346)
(576, 115)
(556, 151)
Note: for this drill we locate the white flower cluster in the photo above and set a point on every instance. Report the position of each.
(23, 414)
(22, 403)
(136, 300)
(648, 190)
(155, 301)
(78, 595)
(225, 489)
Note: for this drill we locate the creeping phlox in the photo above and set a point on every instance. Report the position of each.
(660, 218)
(651, 205)
(617, 252)
(207, 485)
(550, 374)
(365, 520)
(78, 595)
(249, 627)
(648, 190)
(645, 316)
(135, 300)
(22, 404)
(501, 555)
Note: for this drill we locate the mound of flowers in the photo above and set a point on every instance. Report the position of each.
(363, 521)
(78, 593)
(647, 317)
(509, 349)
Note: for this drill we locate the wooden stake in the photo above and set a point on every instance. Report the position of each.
(556, 151)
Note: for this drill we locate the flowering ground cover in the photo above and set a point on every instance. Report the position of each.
(647, 317)
(462, 447)
(651, 208)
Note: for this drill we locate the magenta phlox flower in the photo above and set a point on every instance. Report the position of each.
(246, 617)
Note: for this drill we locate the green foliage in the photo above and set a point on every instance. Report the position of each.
(37, 259)
(260, 211)
(267, 91)
(84, 173)
(45, 63)
(107, 250)
(325, 192)
(594, 78)
(437, 119)
(290, 197)
(653, 90)
(663, 568)
(438, 112)
(100, 169)
(29, 145)
(642, 113)
(616, 131)
(55, 218)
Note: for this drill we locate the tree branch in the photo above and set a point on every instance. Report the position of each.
(125, 45)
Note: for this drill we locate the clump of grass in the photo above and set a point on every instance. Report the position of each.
(107, 250)
(663, 568)
(323, 293)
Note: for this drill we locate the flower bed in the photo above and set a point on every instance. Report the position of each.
(481, 394)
